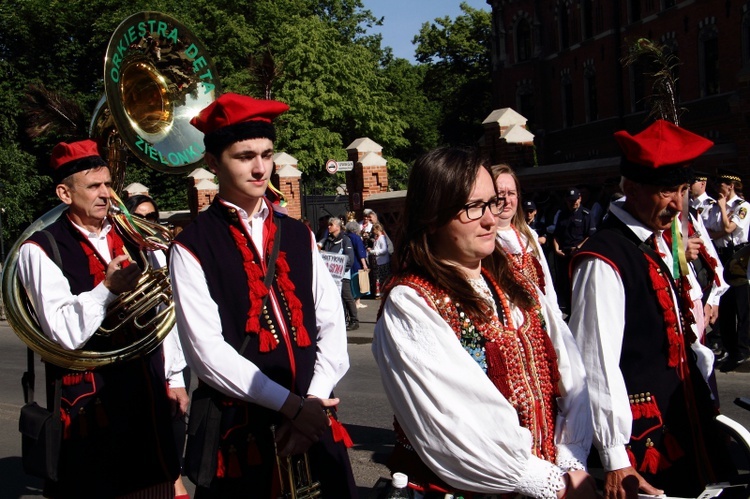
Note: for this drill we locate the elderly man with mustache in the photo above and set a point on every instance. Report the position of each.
(632, 316)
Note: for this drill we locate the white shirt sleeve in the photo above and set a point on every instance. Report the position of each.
(69, 320)
(174, 358)
(458, 422)
(598, 323)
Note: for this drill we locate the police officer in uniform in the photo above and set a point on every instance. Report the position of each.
(572, 228)
(700, 201)
(729, 231)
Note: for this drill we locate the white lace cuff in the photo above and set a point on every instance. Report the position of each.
(571, 457)
(540, 479)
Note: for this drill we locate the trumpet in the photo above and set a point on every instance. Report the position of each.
(295, 478)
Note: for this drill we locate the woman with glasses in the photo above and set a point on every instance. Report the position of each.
(516, 237)
(485, 380)
(145, 207)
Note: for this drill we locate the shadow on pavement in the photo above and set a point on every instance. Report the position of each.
(16, 483)
(379, 441)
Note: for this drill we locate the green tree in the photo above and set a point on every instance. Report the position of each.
(457, 55)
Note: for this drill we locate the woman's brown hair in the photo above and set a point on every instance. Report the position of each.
(440, 184)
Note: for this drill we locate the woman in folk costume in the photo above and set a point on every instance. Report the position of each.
(516, 237)
(485, 380)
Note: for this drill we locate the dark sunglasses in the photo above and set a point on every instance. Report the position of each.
(151, 217)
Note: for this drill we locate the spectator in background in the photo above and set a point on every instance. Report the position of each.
(338, 242)
(360, 260)
(369, 218)
(382, 257)
(572, 228)
(529, 212)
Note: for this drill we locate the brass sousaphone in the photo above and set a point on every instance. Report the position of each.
(157, 76)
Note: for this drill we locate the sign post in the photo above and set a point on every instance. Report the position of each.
(332, 166)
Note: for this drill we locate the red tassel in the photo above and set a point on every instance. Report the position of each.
(220, 469)
(267, 341)
(233, 470)
(253, 453)
(635, 408)
(539, 273)
(650, 409)
(631, 457)
(339, 432)
(496, 365)
(653, 460)
(65, 418)
(673, 448)
(303, 339)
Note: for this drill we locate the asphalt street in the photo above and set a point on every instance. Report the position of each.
(364, 410)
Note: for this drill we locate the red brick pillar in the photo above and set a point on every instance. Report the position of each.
(201, 190)
(288, 180)
(370, 174)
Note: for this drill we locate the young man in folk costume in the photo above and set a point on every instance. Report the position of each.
(632, 318)
(117, 438)
(271, 352)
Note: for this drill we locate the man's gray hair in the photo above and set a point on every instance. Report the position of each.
(367, 211)
(335, 221)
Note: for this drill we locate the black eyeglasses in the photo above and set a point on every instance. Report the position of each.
(151, 217)
(475, 211)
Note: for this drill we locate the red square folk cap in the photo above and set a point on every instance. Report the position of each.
(233, 117)
(661, 154)
(74, 157)
(232, 109)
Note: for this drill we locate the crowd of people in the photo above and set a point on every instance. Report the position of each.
(502, 370)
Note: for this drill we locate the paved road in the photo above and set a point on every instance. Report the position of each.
(364, 410)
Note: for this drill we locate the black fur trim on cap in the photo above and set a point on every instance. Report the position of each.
(76, 166)
(222, 138)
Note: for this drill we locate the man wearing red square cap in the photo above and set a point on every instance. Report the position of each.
(260, 319)
(633, 318)
(116, 419)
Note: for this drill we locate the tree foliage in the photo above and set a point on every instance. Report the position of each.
(457, 55)
(317, 55)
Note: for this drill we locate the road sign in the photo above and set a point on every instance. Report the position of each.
(332, 166)
(346, 166)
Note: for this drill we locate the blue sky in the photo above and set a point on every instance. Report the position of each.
(404, 18)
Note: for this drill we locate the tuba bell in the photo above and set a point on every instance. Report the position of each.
(157, 76)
